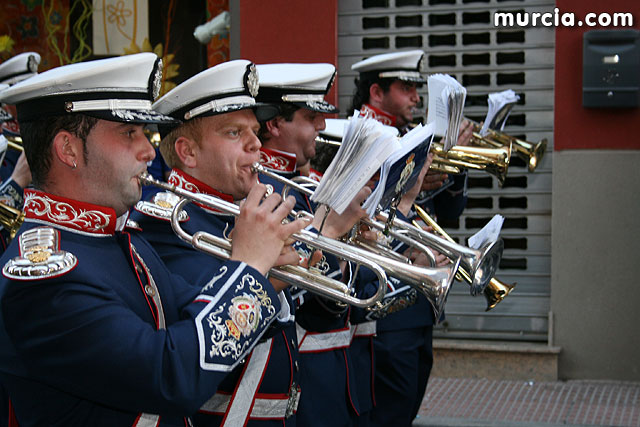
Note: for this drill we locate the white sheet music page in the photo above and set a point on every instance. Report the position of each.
(488, 233)
(446, 104)
(365, 146)
(499, 108)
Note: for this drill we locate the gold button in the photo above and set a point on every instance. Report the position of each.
(149, 290)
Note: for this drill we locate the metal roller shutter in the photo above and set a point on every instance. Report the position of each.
(460, 39)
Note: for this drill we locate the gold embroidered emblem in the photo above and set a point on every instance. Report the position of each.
(40, 255)
(233, 329)
(164, 204)
(244, 316)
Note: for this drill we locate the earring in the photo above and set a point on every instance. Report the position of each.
(74, 164)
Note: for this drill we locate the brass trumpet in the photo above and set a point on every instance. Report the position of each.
(530, 152)
(495, 291)
(11, 219)
(494, 161)
(295, 275)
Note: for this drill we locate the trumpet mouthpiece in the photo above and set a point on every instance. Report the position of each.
(256, 167)
(145, 178)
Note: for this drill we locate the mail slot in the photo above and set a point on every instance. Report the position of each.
(611, 69)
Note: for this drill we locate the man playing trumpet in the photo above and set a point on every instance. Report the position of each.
(324, 330)
(386, 89)
(95, 329)
(212, 153)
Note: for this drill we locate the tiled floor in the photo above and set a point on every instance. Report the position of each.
(455, 401)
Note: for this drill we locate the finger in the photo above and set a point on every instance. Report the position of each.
(284, 208)
(256, 194)
(289, 241)
(294, 226)
(362, 196)
(315, 258)
(288, 257)
(271, 202)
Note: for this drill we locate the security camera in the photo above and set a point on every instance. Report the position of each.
(218, 25)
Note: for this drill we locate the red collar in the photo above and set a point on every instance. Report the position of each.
(315, 175)
(185, 181)
(377, 114)
(71, 214)
(276, 160)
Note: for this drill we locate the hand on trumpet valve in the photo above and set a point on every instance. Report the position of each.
(263, 218)
(334, 225)
(421, 259)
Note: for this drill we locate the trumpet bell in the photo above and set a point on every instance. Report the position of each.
(533, 153)
(496, 291)
(437, 294)
(486, 266)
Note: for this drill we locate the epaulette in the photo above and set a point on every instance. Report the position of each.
(161, 206)
(40, 257)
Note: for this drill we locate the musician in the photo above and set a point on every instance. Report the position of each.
(15, 175)
(329, 395)
(211, 152)
(95, 329)
(386, 89)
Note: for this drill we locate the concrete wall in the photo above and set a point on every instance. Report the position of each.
(596, 263)
(595, 219)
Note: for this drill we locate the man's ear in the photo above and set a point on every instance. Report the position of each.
(68, 148)
(376, 94)
(273, 126)
(186, 150)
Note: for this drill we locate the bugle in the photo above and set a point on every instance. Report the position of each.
(11, 219)
(481, 263)
(493, 160)
(433, 282)
(294, 275)
(531, 152)
(495, 291)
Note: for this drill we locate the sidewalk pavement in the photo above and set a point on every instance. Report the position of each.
(505, 403)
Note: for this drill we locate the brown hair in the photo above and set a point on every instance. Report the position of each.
(191, 129)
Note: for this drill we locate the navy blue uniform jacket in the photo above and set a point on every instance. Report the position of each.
(95, 330)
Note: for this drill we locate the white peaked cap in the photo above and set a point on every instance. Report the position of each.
(304, 85)
(224, 88)
(118, 89)
(19, 67)
(405, 65)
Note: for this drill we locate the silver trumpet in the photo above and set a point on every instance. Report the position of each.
(299, 276)
(433, 282)
(481, 263)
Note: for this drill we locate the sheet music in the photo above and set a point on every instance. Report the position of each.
(401, 169)
(500, 105)
(366, 144)
(446, 104)
(488, 233)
